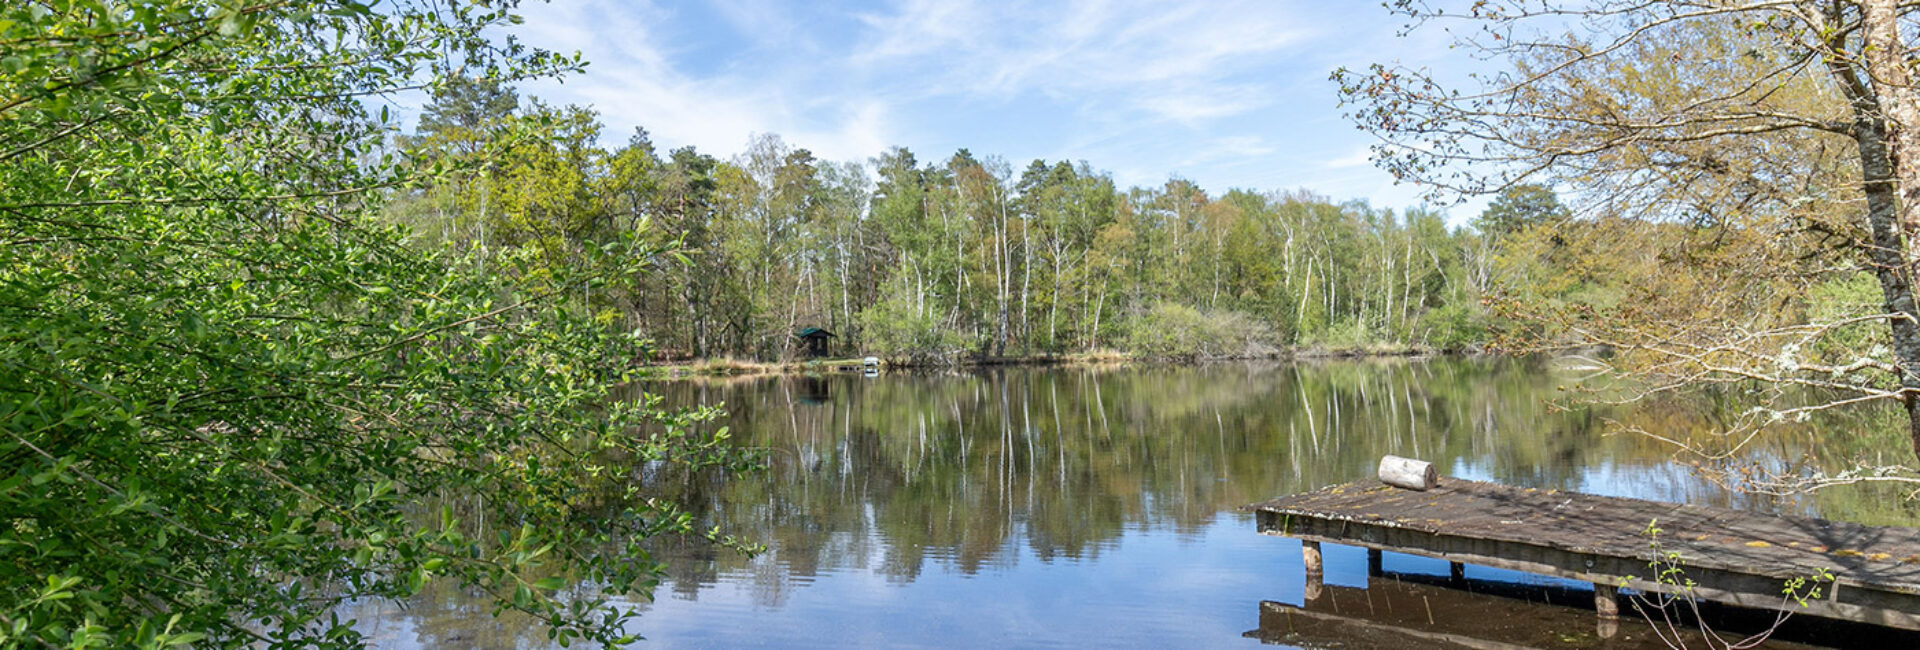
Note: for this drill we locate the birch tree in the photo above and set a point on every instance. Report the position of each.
(1782, 123)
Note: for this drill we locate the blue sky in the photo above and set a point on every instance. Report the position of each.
(1228, 94)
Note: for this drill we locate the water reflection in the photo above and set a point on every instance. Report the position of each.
(1411, 601)
(1073, 506)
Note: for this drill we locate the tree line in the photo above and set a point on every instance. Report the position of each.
(963, 257)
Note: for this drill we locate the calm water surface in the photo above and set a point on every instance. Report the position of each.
(1090, 506)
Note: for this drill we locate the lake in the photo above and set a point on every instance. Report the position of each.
(1096, 505)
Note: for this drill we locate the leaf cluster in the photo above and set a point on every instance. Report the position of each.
(230, 398)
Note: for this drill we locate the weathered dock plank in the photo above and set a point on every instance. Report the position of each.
(1730, 556)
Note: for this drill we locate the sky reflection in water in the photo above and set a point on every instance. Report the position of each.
(1039, 507)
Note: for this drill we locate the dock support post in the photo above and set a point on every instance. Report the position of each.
(1310, 554)
(1373, 562)
(1606, 601)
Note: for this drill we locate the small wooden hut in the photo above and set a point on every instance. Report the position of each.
(813, 341)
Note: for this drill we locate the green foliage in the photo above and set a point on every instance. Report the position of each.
(1173, 331)
(1455, 327)
(900, 330)
(1677, 603)
(1521, 207)
(231, 401)
(1347, 335)
(1803, 589)
(462, 112)
(1849, 307)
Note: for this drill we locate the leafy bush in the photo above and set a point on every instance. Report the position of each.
(1173, 331)
(1344, 335)
(229, 401)
(1454, 326)
(898, 328)
(1845, 306)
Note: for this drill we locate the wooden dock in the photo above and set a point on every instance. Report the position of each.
(1729, 556)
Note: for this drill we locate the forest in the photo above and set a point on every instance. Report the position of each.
(967, 257)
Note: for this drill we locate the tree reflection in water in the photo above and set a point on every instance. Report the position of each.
(906, 476)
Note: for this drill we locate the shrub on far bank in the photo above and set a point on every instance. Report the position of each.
(902, 332)
(1455, 327)
(1173, 331)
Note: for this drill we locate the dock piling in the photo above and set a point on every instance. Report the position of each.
(1606, 601)
(1310, 554)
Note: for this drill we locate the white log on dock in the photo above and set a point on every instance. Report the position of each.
(1408, 473)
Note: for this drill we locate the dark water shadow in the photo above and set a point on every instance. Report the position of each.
(1397, 610)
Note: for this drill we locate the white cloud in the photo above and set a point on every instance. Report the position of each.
(633, 81)
(1228, 93)
(1361, 157)
(1242, 146)
(1175, 61)
(765, 23)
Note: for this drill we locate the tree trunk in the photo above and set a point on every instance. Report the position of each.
(1306, 296)
(1886, 62)
(1026, 285)
(1882, 181)
(1889, 264)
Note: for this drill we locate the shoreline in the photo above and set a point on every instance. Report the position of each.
(729, 367)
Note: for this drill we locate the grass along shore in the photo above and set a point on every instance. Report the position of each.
(733, 367)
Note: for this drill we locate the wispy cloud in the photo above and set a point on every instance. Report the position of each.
(1177, 61)
(1229, 93)
(1361, 157)
(634, 80)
